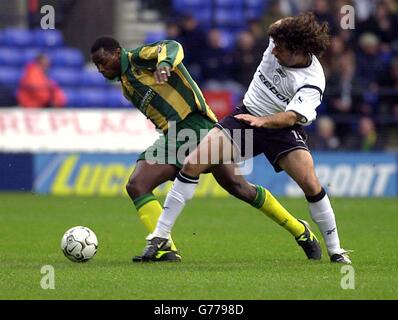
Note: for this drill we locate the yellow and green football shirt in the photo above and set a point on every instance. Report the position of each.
(173, 100)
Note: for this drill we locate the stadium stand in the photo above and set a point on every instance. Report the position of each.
(84, 88)
(360, 66)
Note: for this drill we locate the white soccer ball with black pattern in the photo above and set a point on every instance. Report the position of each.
(79, 244)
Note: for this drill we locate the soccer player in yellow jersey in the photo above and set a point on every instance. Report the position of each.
(155, 80)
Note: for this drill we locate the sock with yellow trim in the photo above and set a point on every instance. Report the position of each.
(149, 210)
(267, 204)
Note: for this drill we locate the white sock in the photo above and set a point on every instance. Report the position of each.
(182, 191)
(323, 215)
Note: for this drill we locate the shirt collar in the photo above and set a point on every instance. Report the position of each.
(124, 60)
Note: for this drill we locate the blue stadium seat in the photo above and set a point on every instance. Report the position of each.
(72, 97)
(10, 76)
(117, 100)
(10, 56)
(257, 4)
(30, 54)
(89, 98)
(154, 36)
(204, 17)
(17, 37)
(67, 57)
(2, 38)
(253, 13)
(48, 38)
(66, 76)
(93, 79)
(184, 5)
(228, 38)
(229, 17)
(229, 3)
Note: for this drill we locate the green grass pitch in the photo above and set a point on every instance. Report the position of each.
(229, 250)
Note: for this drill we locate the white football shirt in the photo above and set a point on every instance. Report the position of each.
(276, 88)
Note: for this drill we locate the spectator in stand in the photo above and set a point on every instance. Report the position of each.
(36, 90)
(339, 92)
(192, 38)
(366, 139)
(324, 138)
(369, 67)
(383, 23)
(255, 27)
(173, 31)
(272, 13)
(245, 59)
(389, 87)
(216, 62)
(164, 7)
(323, 13)
(368, 62)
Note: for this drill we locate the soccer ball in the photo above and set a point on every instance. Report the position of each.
(79, 244)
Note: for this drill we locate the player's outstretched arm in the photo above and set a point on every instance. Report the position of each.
(278, 120)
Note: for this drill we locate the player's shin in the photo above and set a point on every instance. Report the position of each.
(322, 213)
(149, 211)
(267, 204)
(183, 190)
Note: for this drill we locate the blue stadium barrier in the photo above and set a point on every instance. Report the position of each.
(16, 171)
(343, 174)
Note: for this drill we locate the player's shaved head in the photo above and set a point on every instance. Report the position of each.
(105, 53)
(107, 43)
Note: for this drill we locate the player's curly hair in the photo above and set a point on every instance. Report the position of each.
(301, 34)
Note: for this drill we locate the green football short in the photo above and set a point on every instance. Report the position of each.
(179, 141)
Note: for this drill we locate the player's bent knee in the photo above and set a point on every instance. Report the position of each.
(135, 189)
(310, 185)
(241, 191)
(192, 168)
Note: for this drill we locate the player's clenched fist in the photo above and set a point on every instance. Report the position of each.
(162, 74)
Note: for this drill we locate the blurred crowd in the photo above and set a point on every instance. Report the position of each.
(359, 110)
(360, 105)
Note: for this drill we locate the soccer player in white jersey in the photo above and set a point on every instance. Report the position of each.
(282, 98)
